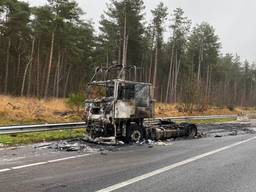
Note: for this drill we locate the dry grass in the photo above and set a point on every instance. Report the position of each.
(167, 110)
(18, 110)
(23, 110)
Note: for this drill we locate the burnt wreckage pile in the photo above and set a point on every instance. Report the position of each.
(124, 110)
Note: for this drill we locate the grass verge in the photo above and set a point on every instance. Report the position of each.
(28, 138)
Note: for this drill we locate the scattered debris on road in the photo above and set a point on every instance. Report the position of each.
(79, 145)
(226, 129)
(82, 145)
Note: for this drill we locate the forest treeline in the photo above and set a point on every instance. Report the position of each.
(51, 51)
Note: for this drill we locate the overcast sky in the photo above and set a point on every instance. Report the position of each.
(234, 20)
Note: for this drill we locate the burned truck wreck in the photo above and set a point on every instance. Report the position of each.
(124, 110)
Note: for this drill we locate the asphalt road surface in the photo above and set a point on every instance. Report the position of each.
(209, 164)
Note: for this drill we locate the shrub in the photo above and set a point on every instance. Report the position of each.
(76, 101)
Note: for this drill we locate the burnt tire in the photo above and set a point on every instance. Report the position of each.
(135, 133)
(192, 131)
(136, 136)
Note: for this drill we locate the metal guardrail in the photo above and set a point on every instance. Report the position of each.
(40, 128)
(77, 125)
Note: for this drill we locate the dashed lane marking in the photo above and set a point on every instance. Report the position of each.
(44, 162)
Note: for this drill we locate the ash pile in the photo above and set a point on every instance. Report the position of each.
(80, 145)
(72, 145)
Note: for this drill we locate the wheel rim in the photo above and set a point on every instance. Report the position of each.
(136, 136)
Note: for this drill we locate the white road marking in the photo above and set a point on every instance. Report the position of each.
(172, 166)
(4, 170)
(44, 162)
(67, 158)
(29, 165)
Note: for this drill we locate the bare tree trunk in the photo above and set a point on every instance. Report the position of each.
(7, 66)
(44, 67)
(192, 70)
(169, 76)
(29, 79)
(173, 77)
(66, 82)
(18, 67)
(125, 45)
(206, 98)
(161, 97)
(155, 70)
(141, 75)
(145, 73)
(200, 59)
(27, 67)
(18, 64)
(207, 81)
(235, 92)
(120, 52)
(49, 67)
(61, 74)
(251, 94)
(198, 72)
(150, 67)
(225, 91)
(172, 82)
(55, 82)
(38, 71)
(18, 72)
(107, 64)
(30, 70)
(56, 76)
(151, 59)
(176, 80)
(210, 83)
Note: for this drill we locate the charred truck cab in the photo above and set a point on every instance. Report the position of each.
(124, 110)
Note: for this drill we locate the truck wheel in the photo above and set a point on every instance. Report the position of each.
(136, 136)
(192, 131)
(135, 133)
